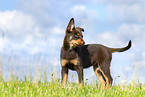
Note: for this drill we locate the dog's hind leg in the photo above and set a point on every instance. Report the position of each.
(99, 76)
(102, 77)
(105, 70)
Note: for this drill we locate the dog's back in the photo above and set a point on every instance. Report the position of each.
(93, 54)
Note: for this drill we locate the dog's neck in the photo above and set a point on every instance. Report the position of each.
(66, 45)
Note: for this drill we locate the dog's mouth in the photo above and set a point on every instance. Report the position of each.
(78, 44)
(74, 45)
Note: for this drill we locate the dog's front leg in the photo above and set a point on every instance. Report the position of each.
(80, 75)
(64, 74)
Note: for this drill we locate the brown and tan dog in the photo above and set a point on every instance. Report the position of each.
(77, 56)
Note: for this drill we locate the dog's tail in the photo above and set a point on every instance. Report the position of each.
(121, 49)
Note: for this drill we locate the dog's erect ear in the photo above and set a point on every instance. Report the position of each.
(71, 25)
(82, 29)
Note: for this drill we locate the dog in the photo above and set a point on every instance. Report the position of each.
(77, 56)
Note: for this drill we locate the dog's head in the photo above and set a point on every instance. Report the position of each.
(74, 35)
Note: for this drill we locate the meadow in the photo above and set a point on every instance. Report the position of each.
(41, 81)
(30, 88)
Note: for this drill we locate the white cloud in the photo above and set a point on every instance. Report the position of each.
(57, 30)
(124, 33)
(14, 21)
(126, 12)
(132, 31)
(85, 15)
(22, 33)
(28, 38)
(16, 27)
(109, 39)
(136, 54)
(118, 2)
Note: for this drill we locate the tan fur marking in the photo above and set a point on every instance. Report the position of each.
(64, 80)
(79, 40)
(74, 61)
(64, 62)
(73, 43)
(107, 80)
(70, 38)
(100, 78)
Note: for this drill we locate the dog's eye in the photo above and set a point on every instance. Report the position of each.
(76, 36)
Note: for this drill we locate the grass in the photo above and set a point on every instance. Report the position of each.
(15, 88)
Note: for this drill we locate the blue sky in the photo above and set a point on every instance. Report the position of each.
(34, 27)
(8, 5)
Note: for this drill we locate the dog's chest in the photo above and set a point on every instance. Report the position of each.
(69, 58)
(69, 55)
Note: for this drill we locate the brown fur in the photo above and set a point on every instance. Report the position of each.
(77, 56)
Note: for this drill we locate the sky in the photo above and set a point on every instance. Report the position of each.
(37, 27)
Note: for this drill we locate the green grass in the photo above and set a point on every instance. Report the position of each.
(15, 88)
